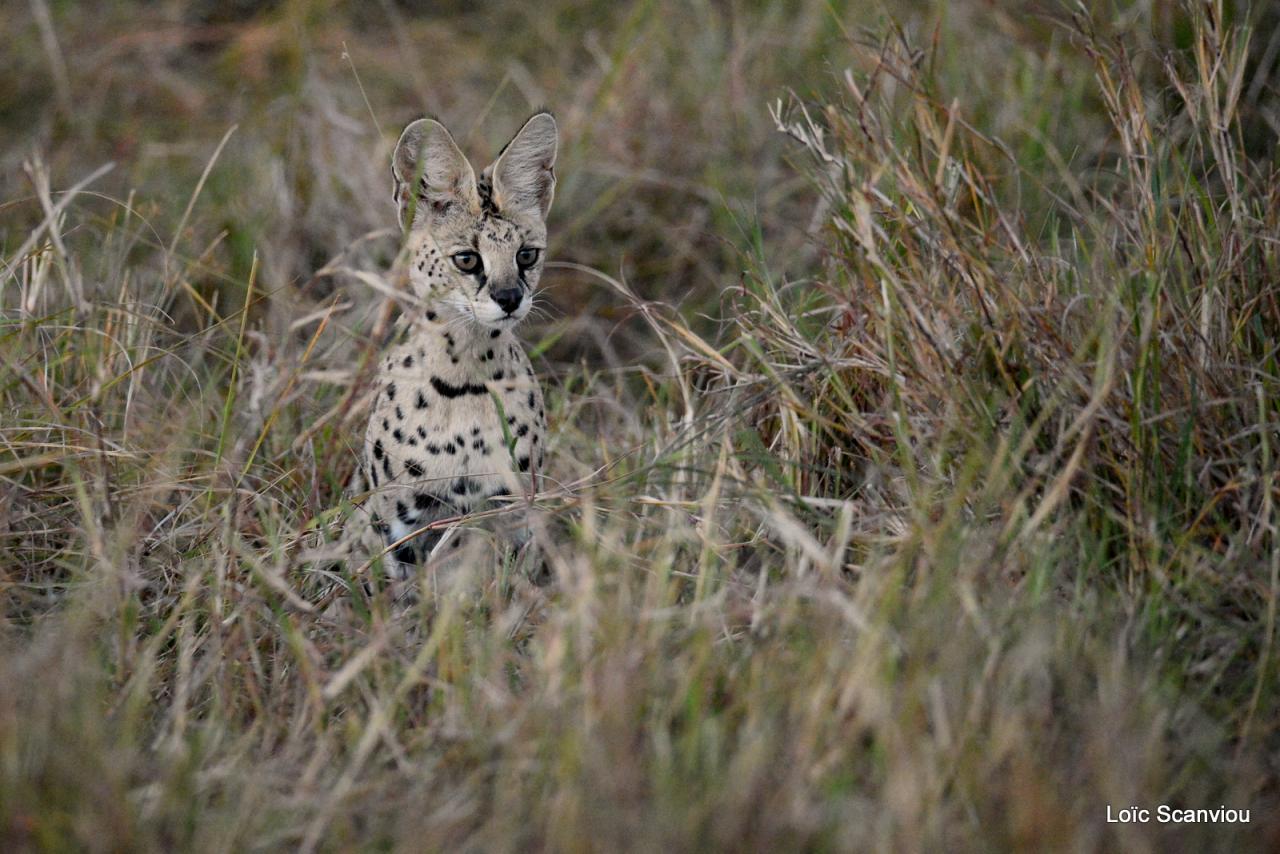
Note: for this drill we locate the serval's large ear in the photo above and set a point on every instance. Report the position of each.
(524, 175)
(431, 174)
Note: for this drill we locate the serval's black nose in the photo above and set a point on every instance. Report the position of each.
(508, 300)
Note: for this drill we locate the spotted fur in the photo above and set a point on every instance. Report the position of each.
(459, 417)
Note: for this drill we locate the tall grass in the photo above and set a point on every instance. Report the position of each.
(915, 406)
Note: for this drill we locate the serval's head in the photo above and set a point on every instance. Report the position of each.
(475, 245)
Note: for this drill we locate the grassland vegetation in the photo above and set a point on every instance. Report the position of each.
(914, 400)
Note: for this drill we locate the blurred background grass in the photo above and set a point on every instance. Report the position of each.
(912, 370)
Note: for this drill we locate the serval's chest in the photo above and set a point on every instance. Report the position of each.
(456, 422)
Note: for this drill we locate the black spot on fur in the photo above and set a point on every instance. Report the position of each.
(413, 467)
(460, 486)
(445, 389)
(425, 500)
(420, 402)
(495, 333)
(499, 374)
(377, 450)
(403, 514)
(386, 468)
(406, 553)
(399, 414)
(522, 430)
(391, 391)
(523, 463)
(408, 362)
(397, 435)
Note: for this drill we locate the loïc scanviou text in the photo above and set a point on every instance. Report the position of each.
(1165, 814)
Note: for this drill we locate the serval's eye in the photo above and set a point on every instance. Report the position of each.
(527, 257)
(467, 262)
